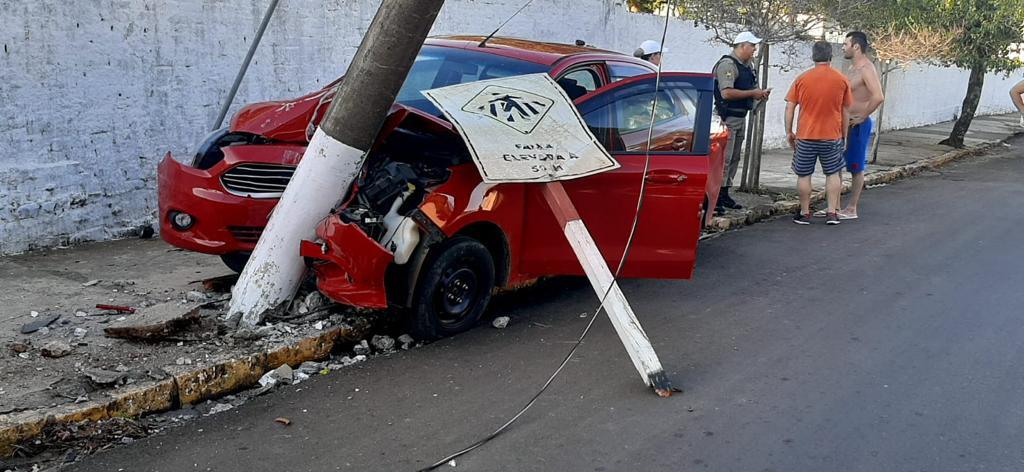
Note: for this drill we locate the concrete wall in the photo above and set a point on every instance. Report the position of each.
(92, 94)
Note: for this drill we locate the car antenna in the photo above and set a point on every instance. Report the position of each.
(488, 38)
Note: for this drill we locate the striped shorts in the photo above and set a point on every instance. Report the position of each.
(809, 151)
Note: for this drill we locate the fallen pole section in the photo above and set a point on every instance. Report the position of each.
(625, 322)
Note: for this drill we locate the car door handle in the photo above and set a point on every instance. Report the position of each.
(665, 177)
(680, 144)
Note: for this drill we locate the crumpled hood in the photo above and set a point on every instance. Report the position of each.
(283, 120)
(289, 120)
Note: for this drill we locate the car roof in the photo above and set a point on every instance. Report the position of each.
(532, 51)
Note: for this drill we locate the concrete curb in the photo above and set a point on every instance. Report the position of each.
(767, 211)
(191, 387)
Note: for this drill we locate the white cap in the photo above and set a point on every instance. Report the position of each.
(648, 47)
(746, 37)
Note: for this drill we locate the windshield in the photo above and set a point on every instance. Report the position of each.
(440, 66)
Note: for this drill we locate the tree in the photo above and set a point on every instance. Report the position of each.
(776, 22)
(901, 32)
(991, 29)
(645, 6)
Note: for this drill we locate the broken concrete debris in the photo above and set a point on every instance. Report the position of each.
(91, 283)
(283, 374)
(40, 322)
(383, 343)
(361, 349)
(19, 347)
(195, 297)
(406, 341)
(219, 408)
(55, 349)
(103, 377)
(501, 322)
(155, 322)
(80, 332)
(312, 368)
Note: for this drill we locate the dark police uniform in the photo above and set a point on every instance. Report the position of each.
(731, 73)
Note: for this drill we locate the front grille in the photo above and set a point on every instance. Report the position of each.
(246, 234)
(257, 180)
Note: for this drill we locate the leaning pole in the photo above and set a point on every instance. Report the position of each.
(334, 156)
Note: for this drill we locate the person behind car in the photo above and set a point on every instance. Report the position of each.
(650, 51)
(736, 93)
(824, 97)
(1017, 96)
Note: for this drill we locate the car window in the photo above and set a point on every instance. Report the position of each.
(621, 120)
(579, 82)
(620, 70)
(436, 67)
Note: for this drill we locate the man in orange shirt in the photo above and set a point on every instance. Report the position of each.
(823, 95)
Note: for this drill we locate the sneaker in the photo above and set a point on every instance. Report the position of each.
(832, 219)
(821, 213)
(802, 219)
(843, 215)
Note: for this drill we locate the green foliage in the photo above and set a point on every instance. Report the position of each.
(983, 32)
(646, 6)
(991, 29)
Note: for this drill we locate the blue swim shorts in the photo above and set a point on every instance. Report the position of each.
(857, 147)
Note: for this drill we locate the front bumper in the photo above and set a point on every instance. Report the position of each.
(223, 222)
(350, 267)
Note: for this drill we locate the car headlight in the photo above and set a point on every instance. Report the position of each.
(209, 152)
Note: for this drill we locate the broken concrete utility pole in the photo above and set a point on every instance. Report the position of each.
(334, 155)
(623, 319)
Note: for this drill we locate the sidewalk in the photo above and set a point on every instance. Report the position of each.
(899, 153)
(60, 364)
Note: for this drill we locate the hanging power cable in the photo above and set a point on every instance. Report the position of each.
(618, 270)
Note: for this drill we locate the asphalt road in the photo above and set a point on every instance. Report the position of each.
(892, 343)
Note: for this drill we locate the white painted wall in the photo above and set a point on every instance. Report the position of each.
(92, 94)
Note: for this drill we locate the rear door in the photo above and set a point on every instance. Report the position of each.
(619, 115)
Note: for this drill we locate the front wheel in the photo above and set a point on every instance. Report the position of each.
(453, 290)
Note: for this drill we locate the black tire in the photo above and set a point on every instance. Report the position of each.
(235, 260)
(453, 290)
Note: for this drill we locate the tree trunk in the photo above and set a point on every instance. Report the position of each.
(754, 120)
(974, 86)
(334, 156)
(887, 68)
(755, 181)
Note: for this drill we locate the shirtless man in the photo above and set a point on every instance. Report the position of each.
(1017, 95)
(867, 96)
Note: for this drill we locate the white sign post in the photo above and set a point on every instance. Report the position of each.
(526, 129)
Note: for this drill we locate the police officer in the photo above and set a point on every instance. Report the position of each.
(736, 93)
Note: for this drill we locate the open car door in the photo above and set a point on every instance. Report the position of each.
(619, 115)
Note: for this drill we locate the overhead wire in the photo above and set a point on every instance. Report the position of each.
(615, 278)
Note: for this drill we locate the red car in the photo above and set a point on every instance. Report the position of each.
(419, 229)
